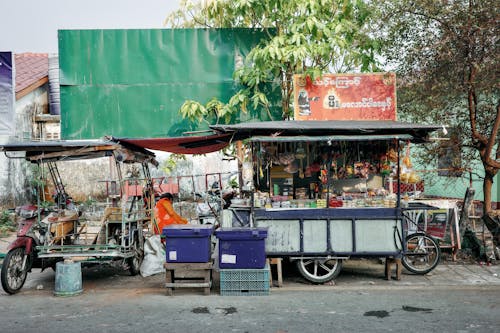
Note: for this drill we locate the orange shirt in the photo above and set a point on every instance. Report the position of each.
(166, 215)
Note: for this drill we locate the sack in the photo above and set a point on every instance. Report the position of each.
(154, 257)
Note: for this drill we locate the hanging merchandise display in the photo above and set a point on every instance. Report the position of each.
(332, 174)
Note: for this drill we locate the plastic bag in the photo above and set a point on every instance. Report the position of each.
(154, 256)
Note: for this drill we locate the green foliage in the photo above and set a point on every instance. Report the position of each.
(36, 180)
(233, 183)
(305, 37)
(7, 223)
(47, 205)
(38, 176)
(196, 112)
(446, 56)
(192, 110)
(170, 164)
(436, 46)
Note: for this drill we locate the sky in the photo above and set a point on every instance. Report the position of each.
(31, 25)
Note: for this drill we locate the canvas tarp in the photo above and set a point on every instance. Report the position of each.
(132, 83)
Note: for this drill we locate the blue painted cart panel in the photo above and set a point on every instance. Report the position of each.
(282, 235)
(361, 232)
(341, 236)
(311, 230)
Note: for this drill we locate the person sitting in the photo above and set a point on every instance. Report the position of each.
(165, 213)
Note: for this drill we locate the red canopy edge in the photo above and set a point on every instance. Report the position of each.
(182, 145)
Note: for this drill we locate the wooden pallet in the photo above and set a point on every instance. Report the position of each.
(188, 275)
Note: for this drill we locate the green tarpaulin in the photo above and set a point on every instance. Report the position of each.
(132, 83)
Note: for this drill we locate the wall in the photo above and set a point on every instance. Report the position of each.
(85, 180)
(15, 173)
(455, 187)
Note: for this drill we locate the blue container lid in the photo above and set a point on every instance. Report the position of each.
(188, 230)
(241, 233)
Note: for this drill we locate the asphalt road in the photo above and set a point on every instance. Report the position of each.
(454, 298)
(452, 309)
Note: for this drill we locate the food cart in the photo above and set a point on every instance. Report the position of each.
(324, 190)
(107, 232)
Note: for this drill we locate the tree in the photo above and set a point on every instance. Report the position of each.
(305, 37)
(170, 164)
(446, 55)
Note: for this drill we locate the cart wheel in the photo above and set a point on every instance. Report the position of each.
(319, 270)
(134, 263)
(13, 275)
(422, 253)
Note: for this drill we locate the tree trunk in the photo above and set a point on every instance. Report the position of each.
(490, 219)
(492, 222)
(487, 185)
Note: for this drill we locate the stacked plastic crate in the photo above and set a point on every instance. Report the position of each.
(242, 261)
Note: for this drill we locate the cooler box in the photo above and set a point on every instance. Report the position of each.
(242, 247)
(188, 243)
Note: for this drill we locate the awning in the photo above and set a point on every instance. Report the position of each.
(182, 145)
(76, 150)
(364, 129)
(304, 138)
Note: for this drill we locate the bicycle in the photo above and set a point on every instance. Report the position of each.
(422, 251)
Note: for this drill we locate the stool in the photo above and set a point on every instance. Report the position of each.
(388, 263)
(277, 262)
(188, 275)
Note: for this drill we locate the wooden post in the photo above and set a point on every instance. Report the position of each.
(279, 273)
(240, 154)
(388, 264)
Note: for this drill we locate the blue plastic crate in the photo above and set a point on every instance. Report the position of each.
(242, 248)
(244, 282)
(188, 243)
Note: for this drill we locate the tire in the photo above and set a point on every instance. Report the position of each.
(422, 253)
(134, 262)
(319, 270)
(12, 275)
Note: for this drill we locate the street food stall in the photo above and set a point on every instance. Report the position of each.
(324, 189)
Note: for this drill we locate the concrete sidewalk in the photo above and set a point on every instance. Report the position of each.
(369, 273)
(356, 273)
(360, 274)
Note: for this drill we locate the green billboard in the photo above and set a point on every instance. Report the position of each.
(132, 83)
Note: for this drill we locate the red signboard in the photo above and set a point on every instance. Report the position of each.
(345, 97)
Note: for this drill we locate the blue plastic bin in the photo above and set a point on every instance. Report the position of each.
(188, 243)
(242, 247)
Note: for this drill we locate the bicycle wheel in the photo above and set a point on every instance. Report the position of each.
(422, 253)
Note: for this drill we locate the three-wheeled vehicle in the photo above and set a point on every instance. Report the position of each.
(108, 232)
